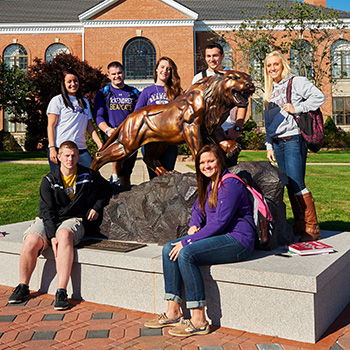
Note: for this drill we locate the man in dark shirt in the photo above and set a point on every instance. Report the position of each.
(70, 196)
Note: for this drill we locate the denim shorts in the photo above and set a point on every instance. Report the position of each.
(73, 224)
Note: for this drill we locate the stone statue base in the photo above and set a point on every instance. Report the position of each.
(159, 211)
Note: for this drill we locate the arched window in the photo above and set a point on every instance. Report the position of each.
(16, 55)
(53, 50)
(139, 59)
(340, 58)
(302, 58)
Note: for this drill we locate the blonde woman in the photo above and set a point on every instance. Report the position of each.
(284, 142)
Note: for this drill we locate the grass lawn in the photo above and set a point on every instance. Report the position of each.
(23, 155)
(19, 191)
(320, 157)
(330, 186)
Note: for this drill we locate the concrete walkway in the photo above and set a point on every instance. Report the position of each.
(35, 325)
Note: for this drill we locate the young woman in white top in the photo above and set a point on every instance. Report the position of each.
(284, 142)
(69, 117)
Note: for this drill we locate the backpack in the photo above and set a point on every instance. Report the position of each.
(262, 216)
(106, 94)
(310, 124)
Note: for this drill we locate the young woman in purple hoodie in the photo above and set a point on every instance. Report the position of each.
(166, 88)
(221, 231)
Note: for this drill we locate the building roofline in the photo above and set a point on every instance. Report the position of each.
(105, 4)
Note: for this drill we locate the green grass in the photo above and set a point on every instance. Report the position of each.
(23, 155)
(320, 157)
(19, 191)
(330, 186)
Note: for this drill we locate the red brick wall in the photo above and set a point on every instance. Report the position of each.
(36, 44)
(103, 45)
(316, 2)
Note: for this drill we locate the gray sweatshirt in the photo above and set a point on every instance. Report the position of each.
(305, 97)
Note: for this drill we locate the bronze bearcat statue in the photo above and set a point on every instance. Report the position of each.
(192, 117)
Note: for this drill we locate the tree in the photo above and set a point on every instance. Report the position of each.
(305, 31)
(15, 89)
(46, 77)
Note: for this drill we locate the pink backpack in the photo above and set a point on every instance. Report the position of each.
(262, 216)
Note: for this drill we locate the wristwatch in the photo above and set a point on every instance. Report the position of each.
(237, 128)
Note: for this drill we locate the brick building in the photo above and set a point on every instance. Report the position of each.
(137, 32)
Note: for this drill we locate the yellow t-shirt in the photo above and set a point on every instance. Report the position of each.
(69, 184)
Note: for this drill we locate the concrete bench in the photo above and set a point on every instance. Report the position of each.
(296, 298)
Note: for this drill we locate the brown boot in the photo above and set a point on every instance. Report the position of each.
(298, 213)
(312, 230)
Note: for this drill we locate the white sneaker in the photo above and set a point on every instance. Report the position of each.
(114, 179)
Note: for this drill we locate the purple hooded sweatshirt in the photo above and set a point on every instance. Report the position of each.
(228, 216)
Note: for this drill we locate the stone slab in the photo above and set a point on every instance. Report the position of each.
(295, 298)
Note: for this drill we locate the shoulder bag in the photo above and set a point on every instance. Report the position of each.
(310, 124)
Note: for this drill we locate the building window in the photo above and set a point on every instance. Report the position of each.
(340, 58)
(302, 58)
(258, 111)
(55, 49)
(16, 55)
(227, 61)
(341, 110)
(139, 58)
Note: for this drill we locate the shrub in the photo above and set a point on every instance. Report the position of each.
(252, 137)
(184, 150)
(9, 143)
(335, 137)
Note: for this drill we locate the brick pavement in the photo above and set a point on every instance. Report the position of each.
(36, 325)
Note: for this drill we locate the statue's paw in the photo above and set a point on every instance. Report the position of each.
(234, 152)
(160, 171)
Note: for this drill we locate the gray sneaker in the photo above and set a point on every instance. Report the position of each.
(20, 293)
(114, 179)
(61, 301)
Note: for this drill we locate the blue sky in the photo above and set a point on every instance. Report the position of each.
(339, 4)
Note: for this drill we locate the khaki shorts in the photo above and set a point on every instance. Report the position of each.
(74, 224)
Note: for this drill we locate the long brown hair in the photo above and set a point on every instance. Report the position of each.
(203, 181)
(173, 84)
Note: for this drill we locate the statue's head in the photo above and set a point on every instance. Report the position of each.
(236, 86)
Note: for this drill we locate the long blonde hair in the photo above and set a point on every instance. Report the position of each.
(268, 80)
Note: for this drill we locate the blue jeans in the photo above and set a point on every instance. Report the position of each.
(213, 250)
(291, 158)
(168, 159)
(85, 159)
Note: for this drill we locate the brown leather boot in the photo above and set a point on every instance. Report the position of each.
(312, 230)
(298, 213)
